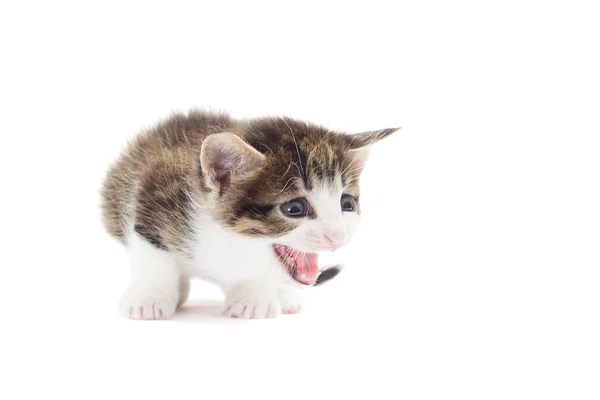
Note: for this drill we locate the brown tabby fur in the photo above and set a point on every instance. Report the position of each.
(157, 185)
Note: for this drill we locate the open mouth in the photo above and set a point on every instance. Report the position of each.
(302, 267)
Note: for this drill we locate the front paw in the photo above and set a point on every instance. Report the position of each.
(252, 302)
(251, 309)
(147, 304)
(290, 300)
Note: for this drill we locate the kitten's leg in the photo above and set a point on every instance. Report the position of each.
(252, 299)
(153, 291)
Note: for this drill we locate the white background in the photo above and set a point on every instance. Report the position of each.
(475, 274)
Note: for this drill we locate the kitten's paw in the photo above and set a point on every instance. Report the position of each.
(148, 304)
(251, 302)
(250, 309)
(290, 300)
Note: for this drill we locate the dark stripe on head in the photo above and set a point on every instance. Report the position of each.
(254, 211)
(304, 169)
(324, 164)
(333, 167)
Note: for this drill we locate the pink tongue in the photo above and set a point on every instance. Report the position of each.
(307, 264)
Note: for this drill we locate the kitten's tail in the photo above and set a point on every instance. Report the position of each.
(328, 274)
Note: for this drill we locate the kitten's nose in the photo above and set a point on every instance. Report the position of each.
(335, 238)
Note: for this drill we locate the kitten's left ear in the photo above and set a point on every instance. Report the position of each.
(360, 143)
(224, 157)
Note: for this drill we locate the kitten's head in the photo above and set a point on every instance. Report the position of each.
(291, 184)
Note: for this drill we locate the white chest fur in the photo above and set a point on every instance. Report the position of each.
(225, 257)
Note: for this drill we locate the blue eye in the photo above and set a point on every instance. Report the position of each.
(347, 203)
(296, 208)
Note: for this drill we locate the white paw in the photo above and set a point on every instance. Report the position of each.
(290, 300)
(251, 302)
(250, 309)
(147, 304)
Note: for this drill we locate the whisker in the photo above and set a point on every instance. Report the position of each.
(295, 143)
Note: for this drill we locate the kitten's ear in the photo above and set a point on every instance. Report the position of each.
(359, 144)
(366, 139)
(224, 156)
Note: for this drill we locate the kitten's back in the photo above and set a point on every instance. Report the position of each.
(170, 145)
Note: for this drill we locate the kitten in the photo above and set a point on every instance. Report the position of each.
(247, 205)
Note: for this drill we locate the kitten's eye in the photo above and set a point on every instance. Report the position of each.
(347, 203)
(295, 208)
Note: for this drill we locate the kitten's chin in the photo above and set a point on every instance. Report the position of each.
(303, 267)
